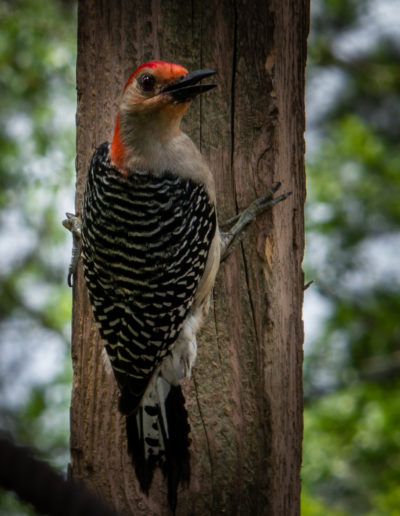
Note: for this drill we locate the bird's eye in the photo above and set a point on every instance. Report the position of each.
(147, 82)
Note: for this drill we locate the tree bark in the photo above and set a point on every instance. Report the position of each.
(245, 396)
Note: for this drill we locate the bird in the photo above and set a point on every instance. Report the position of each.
(151, 247)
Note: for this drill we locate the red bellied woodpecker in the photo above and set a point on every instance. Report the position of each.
(151, 249)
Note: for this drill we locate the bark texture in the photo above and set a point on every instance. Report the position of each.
(245, 397)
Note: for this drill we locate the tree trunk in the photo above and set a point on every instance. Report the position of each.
(245, 396)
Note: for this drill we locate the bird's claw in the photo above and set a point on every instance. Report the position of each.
(74, 224)
(240, 222)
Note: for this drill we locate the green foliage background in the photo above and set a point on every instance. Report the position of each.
(37, 148)
(352, 417)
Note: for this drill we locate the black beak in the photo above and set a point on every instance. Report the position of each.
(187, 88)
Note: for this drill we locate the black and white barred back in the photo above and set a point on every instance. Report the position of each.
(146, 240)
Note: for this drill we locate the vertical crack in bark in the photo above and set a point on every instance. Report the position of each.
(201, 66)
(216, 332)
(155, 17)
(192, 21)
(206, 436)
(233, 84)
(246, 275)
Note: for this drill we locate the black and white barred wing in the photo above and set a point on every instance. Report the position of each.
(145, 246)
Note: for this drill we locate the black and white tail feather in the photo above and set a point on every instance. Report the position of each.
(158, 436)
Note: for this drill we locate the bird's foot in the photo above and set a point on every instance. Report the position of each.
(74, 224)
(239, 223)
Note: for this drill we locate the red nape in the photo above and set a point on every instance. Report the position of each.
(117, 151)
